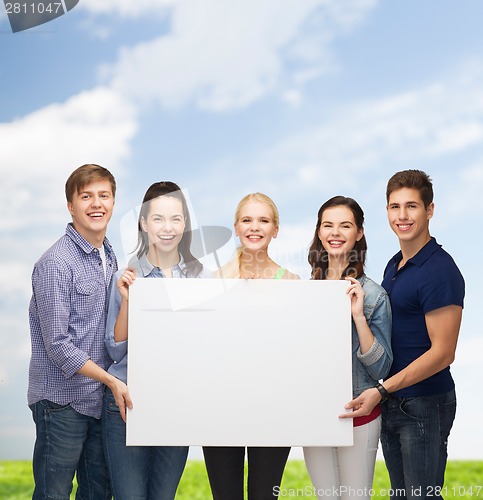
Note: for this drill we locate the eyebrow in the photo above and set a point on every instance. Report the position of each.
(85, 191)
(343, 222)
(406, 203)
(161, 215)
(255, 217)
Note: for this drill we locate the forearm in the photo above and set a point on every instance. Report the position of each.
(443, 329)
(120, 328)
(428, 364)
(94, 371)
(364, 333)
(119, 389)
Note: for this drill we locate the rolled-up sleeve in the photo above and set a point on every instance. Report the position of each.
(53, 289)
(378, 359)
(116, 350)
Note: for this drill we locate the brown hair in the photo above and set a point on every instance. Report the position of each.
(412, 179)
(318, 257)
(83, 176)
(168, 188)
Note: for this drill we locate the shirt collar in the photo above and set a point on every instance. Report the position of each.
(82, 242)
(423, 255)
(147, 268)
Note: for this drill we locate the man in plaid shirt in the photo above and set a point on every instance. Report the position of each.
(69, 361)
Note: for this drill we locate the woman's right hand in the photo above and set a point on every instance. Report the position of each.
(122, 397)
(124, 282)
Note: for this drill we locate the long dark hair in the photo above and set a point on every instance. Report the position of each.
(318, 257)
(167, 188)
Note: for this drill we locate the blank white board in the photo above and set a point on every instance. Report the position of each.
(216, 362)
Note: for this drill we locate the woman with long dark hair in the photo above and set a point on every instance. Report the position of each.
(338, 251)
(163, 251)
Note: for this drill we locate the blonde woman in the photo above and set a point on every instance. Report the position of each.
(256, 224)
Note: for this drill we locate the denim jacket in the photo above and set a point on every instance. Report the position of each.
(374, 365)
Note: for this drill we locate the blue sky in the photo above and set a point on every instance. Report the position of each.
(300, 99)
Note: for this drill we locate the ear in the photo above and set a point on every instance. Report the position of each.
(70, 208)
(275, 232)
(236, 232)
(143, 225)
(430, 211)
(360, 234)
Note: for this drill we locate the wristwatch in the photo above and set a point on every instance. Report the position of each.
(382, 391)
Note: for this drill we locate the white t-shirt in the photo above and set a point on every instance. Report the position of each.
(102, 253)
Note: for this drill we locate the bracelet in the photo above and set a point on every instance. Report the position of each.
(383, 392)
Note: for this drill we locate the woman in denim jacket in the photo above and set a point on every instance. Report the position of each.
(338, 251)
(163, 251)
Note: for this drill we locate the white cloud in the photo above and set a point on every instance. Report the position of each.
(462, 193)
(414, 128)
(17, 275)
(292, 97)
(223, 55)
(126, 8)
(14, 348)
(41, 149)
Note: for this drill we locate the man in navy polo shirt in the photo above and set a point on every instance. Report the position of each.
(426, 290)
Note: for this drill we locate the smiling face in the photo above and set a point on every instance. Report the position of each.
(338, 232)
(256, 225)
(408, 217)
(164, 224)
(91, 209)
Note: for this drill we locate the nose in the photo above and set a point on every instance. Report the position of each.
(166, 226)
(96, 201)
(402, 213)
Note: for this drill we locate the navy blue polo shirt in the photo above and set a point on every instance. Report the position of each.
(428, 281)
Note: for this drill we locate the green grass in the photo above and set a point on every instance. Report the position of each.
(464, 479)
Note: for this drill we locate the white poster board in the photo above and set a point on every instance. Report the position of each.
(239, 362)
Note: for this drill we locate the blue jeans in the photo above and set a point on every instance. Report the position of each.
(414, 438)
(138, 472)
(67, 443)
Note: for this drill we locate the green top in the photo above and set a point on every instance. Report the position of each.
(279, 273)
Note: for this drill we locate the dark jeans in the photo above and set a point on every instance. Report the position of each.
(414, 438)
(138, 472)
(68, 443)
(225, 467)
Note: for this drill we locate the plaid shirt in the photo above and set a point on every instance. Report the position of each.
(67, 315)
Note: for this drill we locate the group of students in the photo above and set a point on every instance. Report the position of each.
(404, 333)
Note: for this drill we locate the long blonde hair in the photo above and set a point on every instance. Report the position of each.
(232, 268)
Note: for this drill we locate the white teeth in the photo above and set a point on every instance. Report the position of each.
(166, 237)
(95, 215)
